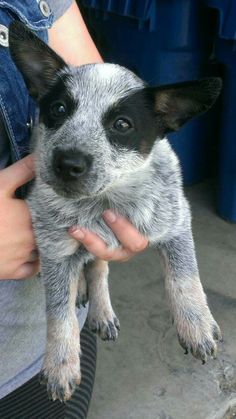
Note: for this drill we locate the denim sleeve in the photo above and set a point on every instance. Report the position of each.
(59, 7)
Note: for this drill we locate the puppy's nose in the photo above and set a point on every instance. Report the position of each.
(70, 165)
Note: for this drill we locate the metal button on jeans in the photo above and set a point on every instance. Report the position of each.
(4, 36)
(30, 125)
(44, 7)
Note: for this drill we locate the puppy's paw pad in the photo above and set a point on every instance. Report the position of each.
(200, 340)
(106, 329)
(202, 350)
(61, 381)
(205, 350)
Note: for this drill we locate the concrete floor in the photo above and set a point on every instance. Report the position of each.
(145, 374)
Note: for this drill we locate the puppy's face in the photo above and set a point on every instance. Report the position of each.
(98, 122)
(97, 126)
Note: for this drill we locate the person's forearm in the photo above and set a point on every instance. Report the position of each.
(70, 38)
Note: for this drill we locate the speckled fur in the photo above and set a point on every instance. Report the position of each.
(146, 189)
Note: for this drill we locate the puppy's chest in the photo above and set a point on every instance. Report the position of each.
(88, 213)
(152, 209)
(149, 214)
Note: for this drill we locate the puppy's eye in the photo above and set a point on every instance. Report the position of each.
(122, 125)
(58, 109)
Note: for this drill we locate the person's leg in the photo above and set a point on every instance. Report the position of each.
(31, 399)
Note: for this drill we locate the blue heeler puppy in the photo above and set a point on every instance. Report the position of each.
(100, 143)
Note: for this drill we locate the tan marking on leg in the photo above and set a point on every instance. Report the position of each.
(62, 360)
(195, 324)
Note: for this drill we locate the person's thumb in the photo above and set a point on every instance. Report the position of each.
(17, 175)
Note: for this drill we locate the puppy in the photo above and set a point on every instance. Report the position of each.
(100, 143)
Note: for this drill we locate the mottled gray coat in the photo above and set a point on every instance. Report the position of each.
(145, 187)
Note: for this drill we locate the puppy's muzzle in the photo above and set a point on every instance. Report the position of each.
(70, 165)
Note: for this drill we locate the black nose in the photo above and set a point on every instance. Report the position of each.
(70, 165)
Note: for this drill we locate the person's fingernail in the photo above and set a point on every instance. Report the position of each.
(76, 231)
(109, 216)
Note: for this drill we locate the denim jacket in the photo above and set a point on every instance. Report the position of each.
(17, 108)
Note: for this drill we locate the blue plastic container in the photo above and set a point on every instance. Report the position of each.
(225, 51)
(226, 22)
(163, 41)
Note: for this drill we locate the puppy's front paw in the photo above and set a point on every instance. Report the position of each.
(199, 336)
(61, 379)
(105, 324)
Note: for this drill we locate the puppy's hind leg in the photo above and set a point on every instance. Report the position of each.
(101, 317)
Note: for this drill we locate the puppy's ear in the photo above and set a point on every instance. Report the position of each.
(34, 59)
(176, 104)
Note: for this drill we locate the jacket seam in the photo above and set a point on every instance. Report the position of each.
(32, 25)
(11, 134)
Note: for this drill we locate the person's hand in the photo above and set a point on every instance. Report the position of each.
(18, 255)
(132, 242)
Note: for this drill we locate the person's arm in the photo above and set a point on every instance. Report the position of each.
(70, 38)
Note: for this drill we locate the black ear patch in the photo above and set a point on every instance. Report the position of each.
(176, 104)
(137, 111)
(37, 62)
(152, 112)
